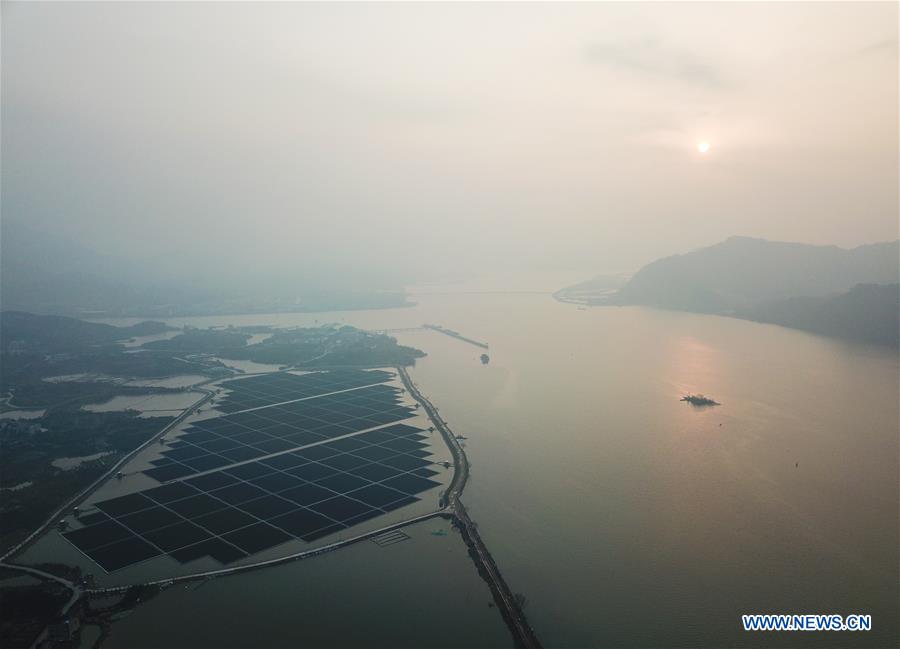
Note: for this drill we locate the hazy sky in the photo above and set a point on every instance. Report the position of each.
(446, 136)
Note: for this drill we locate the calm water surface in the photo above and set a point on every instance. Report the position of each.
(630, 519)
(404, 595)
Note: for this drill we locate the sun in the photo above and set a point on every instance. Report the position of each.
(703, 146)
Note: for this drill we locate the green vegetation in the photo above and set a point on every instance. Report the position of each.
(699, 400)
(204, 341)
(846, 293)
(742, 273)
(30, 447)
(20, 331)
(867, 312)
(325, 346)
(36, 348)
(27, 610)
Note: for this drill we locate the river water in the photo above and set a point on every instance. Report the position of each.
(630, 519)
(415, 593)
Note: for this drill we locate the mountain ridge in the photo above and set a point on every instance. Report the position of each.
(850, 293)
(743, 272)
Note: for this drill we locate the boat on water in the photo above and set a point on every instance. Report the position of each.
(699, 400)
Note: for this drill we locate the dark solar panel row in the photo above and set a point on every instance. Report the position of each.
(237, 511)
(257, 391)
(219, 442)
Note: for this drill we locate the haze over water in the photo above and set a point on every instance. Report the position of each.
(197, 157)
(629, 518)
(281, 147)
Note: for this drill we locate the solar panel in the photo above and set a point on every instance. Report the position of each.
(250, 480)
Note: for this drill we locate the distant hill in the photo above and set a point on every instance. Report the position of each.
(50, 333)
(42, 272)
(45, 273)
(867, 312)
(847, 293)
(592, 291)
(741, 273)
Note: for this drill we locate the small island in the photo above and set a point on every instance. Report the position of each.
(699, 400)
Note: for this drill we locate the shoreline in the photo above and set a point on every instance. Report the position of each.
(450, 508)
(509, 605)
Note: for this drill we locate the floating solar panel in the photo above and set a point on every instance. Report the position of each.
(124, 553)
(340, 508)
(249, 471)
(397, 504)
(302, 522)
(268, 507)
(363, 517)
(149, 519)
(374, 453)
(274, 445)
(318, 534)
(343, 482)
(93, 518)
(207, 462)
(276, 482)
(95, 536)
(256, 538)
(264, 390)
(410, 484)
(169, 472)
(169, 539)
(377, 436)
(242, 453)
(316, 452)
(225, 520)
(170, 492)
(220, 444)
(288, 462)
(238, 493)
(405, 462)
(184, 452)
(376, 472)
(401, 430)
(196, 435)
(210, 481)
(216, 548)
(312, 471)
(307, 494)
(285, 461)
(377, 495)
(197, 505)
(125, 504)
(403, 444)
(303, 438)
(344, 462)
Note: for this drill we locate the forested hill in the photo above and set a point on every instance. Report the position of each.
(846, 293)
(741, 273)
(867, 312)
(57, 333)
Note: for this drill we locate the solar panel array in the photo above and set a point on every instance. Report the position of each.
(302, 492)
(268, 389)
(214, 443)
